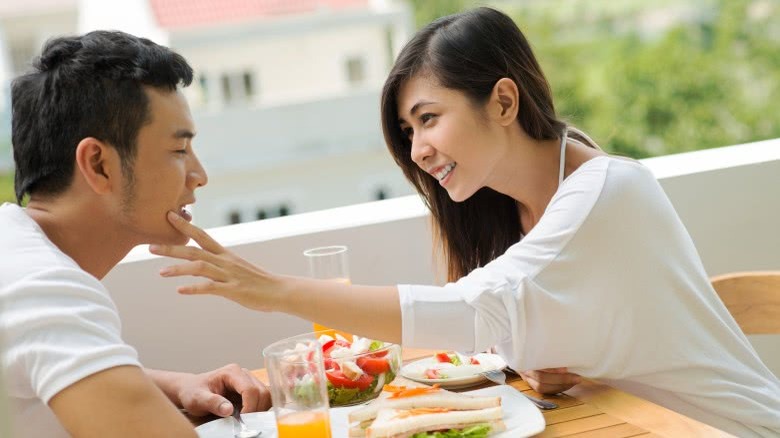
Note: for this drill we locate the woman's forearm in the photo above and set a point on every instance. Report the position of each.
(369, 311)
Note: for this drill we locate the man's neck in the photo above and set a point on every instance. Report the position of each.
(82, 230)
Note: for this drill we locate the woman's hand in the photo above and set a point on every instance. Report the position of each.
(230, 276)
(550, 380)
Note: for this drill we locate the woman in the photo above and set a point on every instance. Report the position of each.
(558, 254)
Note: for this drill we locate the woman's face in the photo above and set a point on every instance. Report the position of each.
(452, 141)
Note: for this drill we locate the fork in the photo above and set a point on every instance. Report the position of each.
(498, 376)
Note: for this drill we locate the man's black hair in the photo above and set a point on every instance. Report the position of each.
(85, 86)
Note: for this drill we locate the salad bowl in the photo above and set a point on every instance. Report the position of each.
(357, 369)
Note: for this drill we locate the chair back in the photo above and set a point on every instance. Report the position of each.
(753, 299)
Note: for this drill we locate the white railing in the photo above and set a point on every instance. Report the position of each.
(728, 198)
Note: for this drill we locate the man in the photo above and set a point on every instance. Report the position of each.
(102, 142)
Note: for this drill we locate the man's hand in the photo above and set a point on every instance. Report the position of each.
(550, 380)
(206, 393)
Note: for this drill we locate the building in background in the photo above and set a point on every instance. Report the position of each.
(285, 97)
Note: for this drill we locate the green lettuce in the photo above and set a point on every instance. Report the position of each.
(349, 396)
(477, 431)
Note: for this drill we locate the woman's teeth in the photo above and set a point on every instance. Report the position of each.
(440, 175)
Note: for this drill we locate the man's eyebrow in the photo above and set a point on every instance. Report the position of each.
(183, 133)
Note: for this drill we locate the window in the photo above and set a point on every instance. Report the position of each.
(227, 96)
(238, 86)
(381, 193)
(249, 87)
(273, 210)
(356, 70)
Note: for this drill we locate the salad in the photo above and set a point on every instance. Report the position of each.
(453, 367)
(357, 370)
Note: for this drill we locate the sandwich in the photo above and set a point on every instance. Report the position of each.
(422, 412)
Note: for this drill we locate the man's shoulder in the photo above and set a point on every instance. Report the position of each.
(25, 252)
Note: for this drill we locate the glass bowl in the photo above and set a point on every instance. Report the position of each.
(357, 370)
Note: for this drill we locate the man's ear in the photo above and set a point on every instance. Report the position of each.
(98, 164)
(504, 101)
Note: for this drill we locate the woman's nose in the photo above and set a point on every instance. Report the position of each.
(420, 150)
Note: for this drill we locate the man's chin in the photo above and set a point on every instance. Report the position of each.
(172, 238)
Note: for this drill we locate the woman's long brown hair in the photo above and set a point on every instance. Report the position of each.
(470, 52)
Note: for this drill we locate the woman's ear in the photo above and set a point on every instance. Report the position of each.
(98, 164)
(504, 101)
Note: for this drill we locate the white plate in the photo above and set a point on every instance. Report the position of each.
(487, 361)
(521, 417)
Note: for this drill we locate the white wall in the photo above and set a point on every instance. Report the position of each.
(728, 199)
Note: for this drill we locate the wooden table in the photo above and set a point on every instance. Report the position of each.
(592, 409)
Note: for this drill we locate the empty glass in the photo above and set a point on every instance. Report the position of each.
(329, 263)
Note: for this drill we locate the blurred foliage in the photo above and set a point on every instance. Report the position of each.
(700, 82)
(7, 187)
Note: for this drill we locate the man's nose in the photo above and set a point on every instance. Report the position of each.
(197, 175)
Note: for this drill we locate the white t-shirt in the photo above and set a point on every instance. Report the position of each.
(608, 284)
(59, 322)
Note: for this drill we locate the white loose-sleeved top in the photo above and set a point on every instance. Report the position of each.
(58, 322)
(609, 284)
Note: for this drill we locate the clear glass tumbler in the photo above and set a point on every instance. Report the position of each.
(299, 389)
(329, 263)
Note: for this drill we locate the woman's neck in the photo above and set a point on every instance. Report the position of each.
(529, 173)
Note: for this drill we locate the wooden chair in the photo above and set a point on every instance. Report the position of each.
(753, 299)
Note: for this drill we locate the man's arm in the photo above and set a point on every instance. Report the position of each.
(118, 402)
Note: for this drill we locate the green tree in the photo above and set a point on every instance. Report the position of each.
(426, 11)
(701, 83)
(7, 187)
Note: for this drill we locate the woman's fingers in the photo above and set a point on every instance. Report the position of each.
(190, 253)
(197, 268)
(201, 237)
(205, 288)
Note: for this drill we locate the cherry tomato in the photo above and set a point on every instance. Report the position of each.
(443, 357)
(373, 365)
(339, 380)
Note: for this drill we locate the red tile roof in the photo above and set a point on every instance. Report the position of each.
(195, 13)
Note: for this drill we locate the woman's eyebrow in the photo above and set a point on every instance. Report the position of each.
(419, 105)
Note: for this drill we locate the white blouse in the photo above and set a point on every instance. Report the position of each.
(609, 284)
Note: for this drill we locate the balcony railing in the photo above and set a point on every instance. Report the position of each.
(728, 198)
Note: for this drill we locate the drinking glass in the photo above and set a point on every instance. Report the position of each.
(329, 263)
(299, 389)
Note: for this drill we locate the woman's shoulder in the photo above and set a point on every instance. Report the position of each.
(613, 170)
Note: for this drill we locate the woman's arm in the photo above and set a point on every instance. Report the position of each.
(372, 311)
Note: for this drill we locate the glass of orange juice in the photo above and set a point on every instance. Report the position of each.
(299, 389)
(329, 263)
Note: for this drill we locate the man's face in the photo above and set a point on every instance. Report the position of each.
(166, 171)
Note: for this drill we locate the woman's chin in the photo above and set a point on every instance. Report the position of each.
(456, 196)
